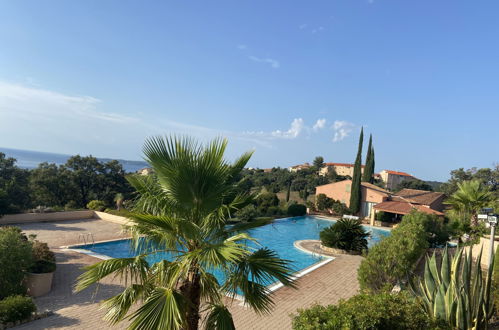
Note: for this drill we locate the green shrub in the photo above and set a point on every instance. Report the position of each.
(265, 201)
(96, 205)
(16, 256)
(296, 210)
(345, 234)
(384, 216)
(323, 202)
(378, 311)
(42, 266)
(16, 308)
(437, 231)
(274, 211)
(394, 257)
(41, 251)
(71, 205)
(339, 208)
(247, 214)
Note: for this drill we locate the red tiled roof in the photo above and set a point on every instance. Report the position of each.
(376, 188)
(403, 208)
(398, 173)
(418, 196)
(341, 164)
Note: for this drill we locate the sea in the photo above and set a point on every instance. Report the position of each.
(30, 159)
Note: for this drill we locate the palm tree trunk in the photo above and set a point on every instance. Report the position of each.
(191, 289)
(474, 220)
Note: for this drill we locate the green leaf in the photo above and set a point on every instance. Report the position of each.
(163, 309)
(219, 318)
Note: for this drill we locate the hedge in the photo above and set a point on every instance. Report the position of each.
(365, 311)
(16, 308)
(394, 257)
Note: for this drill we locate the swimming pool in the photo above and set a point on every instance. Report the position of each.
(278, 236)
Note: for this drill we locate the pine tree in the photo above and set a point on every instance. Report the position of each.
(369, 168)
(355, 191)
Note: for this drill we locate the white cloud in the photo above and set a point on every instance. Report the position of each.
(342, 129)
(33, 118)
(273, 63)
(294, 131)
(317, 30)
(319, 124)
(242, 47)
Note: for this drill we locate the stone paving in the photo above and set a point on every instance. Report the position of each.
(326, 285)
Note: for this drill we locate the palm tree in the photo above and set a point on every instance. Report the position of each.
(118, 199)
(469, 199)
(182, 210)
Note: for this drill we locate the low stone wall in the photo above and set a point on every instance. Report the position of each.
(45, 217)
(485, 244)
(60, 216)
(110, 217)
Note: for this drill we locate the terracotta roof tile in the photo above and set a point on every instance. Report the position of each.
(400, 207)
(398, 173)
(418, 196)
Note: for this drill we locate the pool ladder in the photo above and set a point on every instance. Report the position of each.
(86, 238)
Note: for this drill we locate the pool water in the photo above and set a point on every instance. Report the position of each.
(278, 236)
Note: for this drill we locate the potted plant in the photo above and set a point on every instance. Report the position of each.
(346, 236)
(41, 272)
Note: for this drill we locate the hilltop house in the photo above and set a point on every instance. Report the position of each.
(340, 191)
(392, 179)
(375, 199)
(300, 167)
(342, 169)
(145, 171)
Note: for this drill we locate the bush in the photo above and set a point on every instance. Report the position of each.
(384, 216)
(345, 234)
(41, 251)
(42, 267)
(16, 256)
(43, 258)
(247, 214)
(437, 232)
(379, 311)
(16, 308)
(323, 202)
(96, 205)
(394, 257)
(71, 205)
(296, 210)
(274, 211)
(339, 208)
(265, 201)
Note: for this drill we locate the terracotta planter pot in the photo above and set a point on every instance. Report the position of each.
(39, 284)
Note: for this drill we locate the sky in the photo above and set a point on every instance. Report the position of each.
(290, 80)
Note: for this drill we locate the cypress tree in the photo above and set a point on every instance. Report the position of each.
(369, 168)
(288, 192)
(355, 191)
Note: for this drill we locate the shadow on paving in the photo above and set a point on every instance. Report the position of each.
(69, 267)
(54, 322)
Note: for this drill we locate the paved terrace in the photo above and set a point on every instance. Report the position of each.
(326, 285)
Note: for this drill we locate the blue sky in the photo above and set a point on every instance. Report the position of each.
(290, 79)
